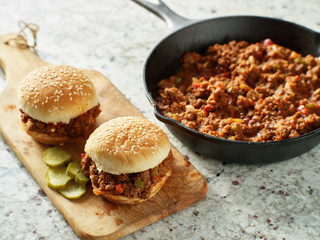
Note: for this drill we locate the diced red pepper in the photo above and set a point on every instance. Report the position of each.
(280, 137)
(207, 108)
(83, 155)
(154, 177)
(258, 55)
(226, 74)
(216, 133)
(218, 85)
(267, 42)
(286, 98)
(119, 188)
(303, 109)
(155, 173)
(196, 85)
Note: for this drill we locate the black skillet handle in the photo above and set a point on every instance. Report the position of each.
(161, 10)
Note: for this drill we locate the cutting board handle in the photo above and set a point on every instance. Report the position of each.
(16, 62)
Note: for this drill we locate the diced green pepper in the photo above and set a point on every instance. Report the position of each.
(139, 183)
(234, 127)
(155, 171)
(310, 105)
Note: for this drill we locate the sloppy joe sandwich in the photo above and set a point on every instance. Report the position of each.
(127, 159)
(58, 103)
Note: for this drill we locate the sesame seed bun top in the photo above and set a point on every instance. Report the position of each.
(127, 145)
(56, 93)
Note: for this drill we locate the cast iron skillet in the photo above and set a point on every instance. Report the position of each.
(196, 35)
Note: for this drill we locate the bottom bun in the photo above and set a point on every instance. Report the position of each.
(44, 138)
(132, 200)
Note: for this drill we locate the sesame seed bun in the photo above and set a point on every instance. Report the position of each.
(127, 145)
(132, 200)
(56, 93)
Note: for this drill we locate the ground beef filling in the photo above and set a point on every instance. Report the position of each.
(128, 185)
(240, 91)
(77, 127)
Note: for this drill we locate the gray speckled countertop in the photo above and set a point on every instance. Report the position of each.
(273, 201)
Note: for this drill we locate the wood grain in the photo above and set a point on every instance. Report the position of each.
(91, 217)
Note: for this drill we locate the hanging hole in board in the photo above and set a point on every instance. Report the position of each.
(27, 36)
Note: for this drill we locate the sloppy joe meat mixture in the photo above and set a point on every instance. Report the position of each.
(250, 92)
(77, 127)
(129, 185)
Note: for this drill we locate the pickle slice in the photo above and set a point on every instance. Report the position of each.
(57, 177)
(81, 178)
(70, 181)
(73, 190)
(56, 157)
(74, 170)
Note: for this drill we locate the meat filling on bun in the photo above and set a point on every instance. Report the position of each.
(77, 127)
(58, 103)
(131, 185)
(128, 159)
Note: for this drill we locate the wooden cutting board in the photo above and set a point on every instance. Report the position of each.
(91, 217)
